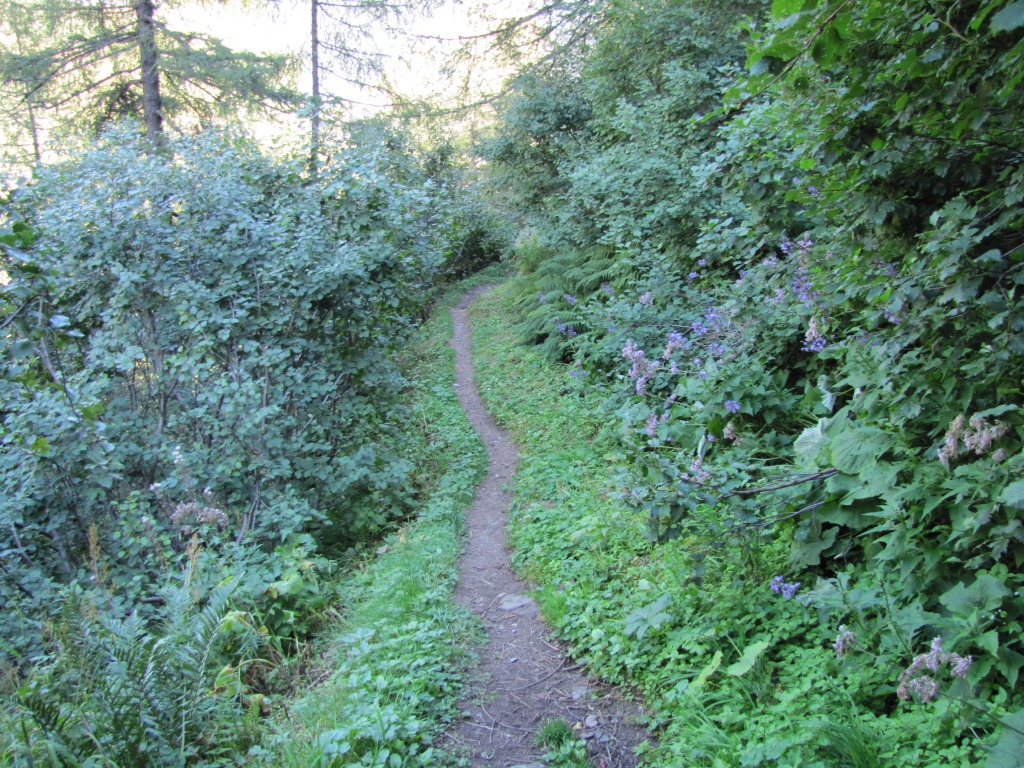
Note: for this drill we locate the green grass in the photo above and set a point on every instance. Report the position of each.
(564, 748)
(732, 675)
(400, 653)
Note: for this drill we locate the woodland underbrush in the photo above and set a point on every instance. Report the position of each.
(742, 658)
(393, 663)
(205, 427)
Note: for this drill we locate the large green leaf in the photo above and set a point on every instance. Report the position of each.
(983, 596)
(810, 445)
(1009, 18)
(1008, 750)
(854, 450)
(1013, 494)
(746, 662)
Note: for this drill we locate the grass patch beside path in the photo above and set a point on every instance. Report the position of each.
(732, 674)
(401, 649)
(584, 549)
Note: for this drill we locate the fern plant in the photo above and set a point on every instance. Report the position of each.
(550, 283)
(118, 691)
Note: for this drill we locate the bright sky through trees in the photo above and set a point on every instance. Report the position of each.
(414, 64)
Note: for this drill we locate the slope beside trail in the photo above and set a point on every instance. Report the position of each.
(523, 680)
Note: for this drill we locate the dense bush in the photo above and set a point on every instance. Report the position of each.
(799, 289)
(198, 368)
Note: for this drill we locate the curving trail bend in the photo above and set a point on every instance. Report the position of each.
(523, 679)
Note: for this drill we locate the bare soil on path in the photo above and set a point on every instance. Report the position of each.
(523, 679)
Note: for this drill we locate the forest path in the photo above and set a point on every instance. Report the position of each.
(522, 680)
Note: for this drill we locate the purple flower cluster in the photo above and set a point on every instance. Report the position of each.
(697, 474)
(570, 299)
(844, 641)
(779, 586)
(642, 369)
(814, 340)
(802, 286)
(608, 290)
(919, 679)
(732, 406)
(676, 340)
(647, 299)
(802, 246)
(652, 424)
(975, 436)
(567, 330)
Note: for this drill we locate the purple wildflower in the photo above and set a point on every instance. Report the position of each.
(647, 299)
(652, 424)
(569, 298)
(675, 341)
(779, 586)
(844, 640)
(642, 369)
(814, 341)
(732, 406)
(608, 290)
(692, 276)
(697, 474)
(802, 286)
(924, 685)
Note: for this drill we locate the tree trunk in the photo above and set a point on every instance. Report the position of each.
(152, 108)
(314, 114)
(37, 151)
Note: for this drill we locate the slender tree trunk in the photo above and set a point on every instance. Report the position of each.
(314, 115)
(152, 107)
(37, 151)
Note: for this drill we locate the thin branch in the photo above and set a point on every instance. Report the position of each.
(793, 61)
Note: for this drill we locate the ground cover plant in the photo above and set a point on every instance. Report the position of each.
(740, 663)
(399, 653)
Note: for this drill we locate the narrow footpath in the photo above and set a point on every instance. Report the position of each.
(523, 679)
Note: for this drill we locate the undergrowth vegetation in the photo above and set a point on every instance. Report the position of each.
(396, 659)
(739, 666)
(781, 247)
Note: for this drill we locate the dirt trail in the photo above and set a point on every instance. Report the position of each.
(523, 679)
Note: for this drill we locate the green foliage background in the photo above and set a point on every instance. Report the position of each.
(782, 244)
(200, 376)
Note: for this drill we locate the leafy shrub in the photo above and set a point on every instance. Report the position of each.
(199, 346)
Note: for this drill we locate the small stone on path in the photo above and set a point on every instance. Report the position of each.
(516, 602)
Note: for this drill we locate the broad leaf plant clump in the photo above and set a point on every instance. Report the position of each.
(202, 415)
(784, 245)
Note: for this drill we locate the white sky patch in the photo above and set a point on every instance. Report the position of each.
(413, 64)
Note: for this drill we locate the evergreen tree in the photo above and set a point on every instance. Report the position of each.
(87, 63)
